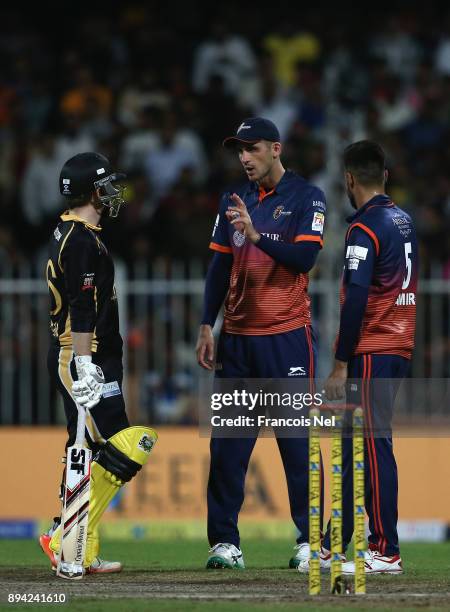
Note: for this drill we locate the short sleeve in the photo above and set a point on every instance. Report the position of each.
(220, 240)
(80, 259)
(311, 218)
(360, 257)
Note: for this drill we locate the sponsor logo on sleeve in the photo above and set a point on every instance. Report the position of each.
(88, 281)
(318, 222)
(110, 389)
(57, 234)
(356, 252)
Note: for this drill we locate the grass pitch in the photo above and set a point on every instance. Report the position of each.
(169, 577)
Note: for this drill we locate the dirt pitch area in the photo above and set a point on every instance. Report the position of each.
(251, 586)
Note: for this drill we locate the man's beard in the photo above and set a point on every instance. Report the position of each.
(352, 200)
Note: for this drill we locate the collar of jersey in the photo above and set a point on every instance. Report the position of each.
(378, 200)
(68, 216)
(279, 186)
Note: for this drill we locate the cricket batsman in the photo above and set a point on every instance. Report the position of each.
(266, 239)
(85, 356)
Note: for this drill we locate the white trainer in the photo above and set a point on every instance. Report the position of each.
(101, 566)
(376, 563)
(325, 561)
(225, 556)
(301, 556)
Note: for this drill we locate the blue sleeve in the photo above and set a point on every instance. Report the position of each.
(299, 257)
(352, 315)
(216, 286)
(220, 239)
(310, 221)
(360, 258)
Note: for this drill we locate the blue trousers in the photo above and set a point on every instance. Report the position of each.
(381, 483)
(273, 356)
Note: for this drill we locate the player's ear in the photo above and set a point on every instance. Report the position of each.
(386, 175)
(349, 180)
(276, 149)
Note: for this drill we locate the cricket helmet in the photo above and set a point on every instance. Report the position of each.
(88, 172)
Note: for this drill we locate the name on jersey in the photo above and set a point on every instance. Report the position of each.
(406, 299)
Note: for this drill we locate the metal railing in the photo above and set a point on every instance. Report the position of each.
(160, 307)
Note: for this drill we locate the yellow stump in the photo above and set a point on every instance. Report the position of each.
(359, 535)
(314, 504)
(336, 505)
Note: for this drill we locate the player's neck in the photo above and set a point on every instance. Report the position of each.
(365, 195)
(87, 213)
(272, 179)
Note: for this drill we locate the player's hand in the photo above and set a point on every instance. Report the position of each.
(88, 389)
(205, 347)
(335, 383)
(239, 217)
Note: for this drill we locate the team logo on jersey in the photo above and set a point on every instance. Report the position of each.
(318, 222)
(279, 211)
(238, 238)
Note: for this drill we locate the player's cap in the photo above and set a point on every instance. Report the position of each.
(84, 173)
(253, 130)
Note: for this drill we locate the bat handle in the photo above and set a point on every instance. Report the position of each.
(81, 425)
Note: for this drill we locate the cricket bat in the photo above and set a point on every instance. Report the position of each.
(75, 508)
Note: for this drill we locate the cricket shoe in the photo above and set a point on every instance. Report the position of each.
(98, 566)
(225, 556)
(376, 563)
(301, 556)
(325, 561)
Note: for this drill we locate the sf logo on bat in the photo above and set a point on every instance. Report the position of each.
(78, 460)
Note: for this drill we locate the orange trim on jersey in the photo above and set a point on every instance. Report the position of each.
(219, 247)
(308, 238)
(263, 193)
(369, 232)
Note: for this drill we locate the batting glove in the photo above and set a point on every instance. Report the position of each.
(87, 390)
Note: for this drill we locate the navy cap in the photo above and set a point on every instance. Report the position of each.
(252, 130)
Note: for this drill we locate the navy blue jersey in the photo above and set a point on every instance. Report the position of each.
(381, 254)
(266, 297)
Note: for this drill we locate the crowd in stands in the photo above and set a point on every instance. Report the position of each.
(157, 89)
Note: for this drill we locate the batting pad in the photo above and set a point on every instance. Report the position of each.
(136, 444)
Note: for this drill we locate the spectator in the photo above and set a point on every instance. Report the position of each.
(41, 199)
(228, 55)
(177, 150)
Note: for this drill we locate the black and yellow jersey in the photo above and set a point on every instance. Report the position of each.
(80, 278)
